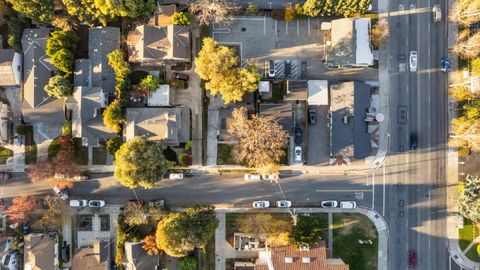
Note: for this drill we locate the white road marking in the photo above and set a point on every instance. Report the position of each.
(308, 20)
(286, 28)
(373, 190)
(264, 25)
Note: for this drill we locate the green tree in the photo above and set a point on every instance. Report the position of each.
(181, 18)
(312, 8)
(475, 65)
(16, 24)
(150, 83)
(117, 62)
(469, 200)
(58, 87)
(113, 116)
(86, 12)
(178, 233)
(61, 39)
(140, 162)
(114, 144)
(218, 65)
(187, 263)
(64, 60)
(307, 231)
(37, 10)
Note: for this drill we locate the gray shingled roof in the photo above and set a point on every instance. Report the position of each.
(349, 101)
(101, 42)
(138, 258)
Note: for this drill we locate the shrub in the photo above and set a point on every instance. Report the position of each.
(20, 129)
(114, 144)
(188, 146)
(463, 151)
(184, 159)
(289, 14)
(181, 18)
(121, 239)
(187, 263)
(252, 9)
(113, 116)
(67, 129)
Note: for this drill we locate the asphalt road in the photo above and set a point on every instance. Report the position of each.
(417, 215)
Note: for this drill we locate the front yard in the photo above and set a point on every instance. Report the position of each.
(224, 154)
(466, 236)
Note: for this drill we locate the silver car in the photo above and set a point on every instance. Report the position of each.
(62, 194)
(284, 204)
(261, 204)
(413, 61)
(78, 203)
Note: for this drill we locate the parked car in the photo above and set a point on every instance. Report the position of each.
(252, 177)
(445, 64)
(158, 203)
(180, 76)
(437, 13)
(413, 141)
(329, 204)
(61, 193)
(96, 203)
(413, 61)
(270, 177)
(271, 69)
(78, 203)
(284, 204)
(10, 260)
(412, 259)
(80, 177)
(298, 136)
(348, 204)
(312, 116)
(261, 204)
(298, 153)
(175, 176)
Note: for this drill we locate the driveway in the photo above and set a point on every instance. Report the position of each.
(318, 139)
(43, 134)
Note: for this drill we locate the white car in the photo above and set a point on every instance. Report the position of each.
(175, 176)
(413, 61)
(348, 204)
(298, 153)
(437, 13)
(329, 204)
(251, 177)
(80, 177)
(270, 177)
(271, 69)
(62, 194)
(96, 203)
(261, 204)
(284, 204)
(78, 203)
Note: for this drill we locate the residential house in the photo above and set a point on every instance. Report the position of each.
(10, 67)
(349, 104)
(37, 106)
(40, 252)
(294, 258)
(172, 125)
(350, 44)
(94, 83)
(138, 258)
(159, 40)
(93, 258)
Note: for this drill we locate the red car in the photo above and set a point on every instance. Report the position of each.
(180, 76)
(412, 259)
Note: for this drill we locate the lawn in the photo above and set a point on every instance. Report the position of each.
(5, 154)
(54, 147)
(224, 154)
(99, 155)
(467, 234)
(472, 254)
(278, 92)
(347, 230)
(30, 146)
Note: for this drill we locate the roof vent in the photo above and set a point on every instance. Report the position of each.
(345, 119)
(304, 248)
(306, 259)
(288, 260)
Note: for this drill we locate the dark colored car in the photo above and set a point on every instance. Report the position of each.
(413, 142)
(298, 135)
(180, 76)
(312, 116)
(412, 259)
(445, 64)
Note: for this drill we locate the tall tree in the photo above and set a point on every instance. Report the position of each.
(135, 214)
(466, 133)
(51, 220)
(37, 10)
(465, 12)
(469, 200)
(468, 44)
(58, 87)
(150, 245)
(217, 64)
(113, 116)
(40, 171)
(178, 233)
(21, 209)
(208, 12)
(140, 162)
(307, 231)
(261, 141)
(86, 12)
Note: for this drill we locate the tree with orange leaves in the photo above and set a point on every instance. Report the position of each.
(150, 245)
(21, 208)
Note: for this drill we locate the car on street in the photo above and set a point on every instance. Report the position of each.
(437, 13)
(270, 177)
(80, 177)
(61, 193)
(284, 204)
(175, 176)
(348, 204)
(180, 76)
(413, 141)
(252, 177)
(271, 69)
(156, 203)
(445, 64)
(298, 136)
(329, 204)
(298, 153)
(78, 203)
(261, 204)
(413, 61)
(312, 116)
(96, 203)
(412, 259)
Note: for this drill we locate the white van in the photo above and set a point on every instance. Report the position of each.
(437, 13)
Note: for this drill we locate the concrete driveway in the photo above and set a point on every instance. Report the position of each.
(318, 143)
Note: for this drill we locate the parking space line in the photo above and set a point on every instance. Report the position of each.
(308, 20)
(286, 28)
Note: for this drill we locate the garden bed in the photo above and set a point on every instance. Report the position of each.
(224, 154)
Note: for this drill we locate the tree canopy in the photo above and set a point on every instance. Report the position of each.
(261, 141)
(21, 208)
(469, 200)
(37, 10)
(467, 44)
(178, 233)
(307, 232)
(465, 12)
(346, 8)
(58, 87)
(86, 12)
(181, 18)
(113, 116)
(218, 65)
(140, 162)
(61, 46)
(209, 12)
